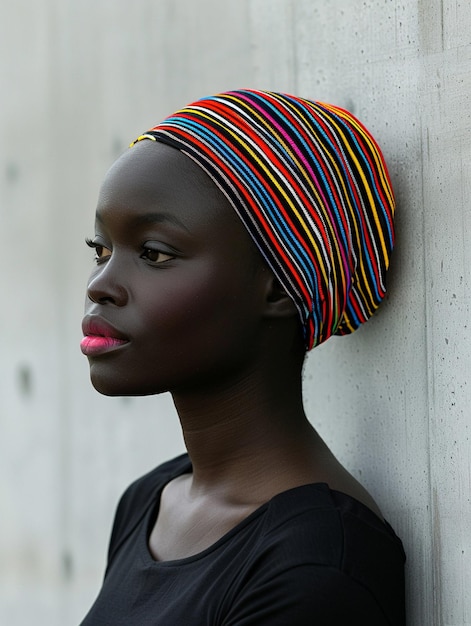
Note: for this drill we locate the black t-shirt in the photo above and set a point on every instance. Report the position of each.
(310, 556)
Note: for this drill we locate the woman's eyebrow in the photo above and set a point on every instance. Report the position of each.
(150, 218)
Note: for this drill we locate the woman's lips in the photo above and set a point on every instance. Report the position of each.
(93, 345)
(100, 336)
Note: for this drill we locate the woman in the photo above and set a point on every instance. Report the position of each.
(240, 232)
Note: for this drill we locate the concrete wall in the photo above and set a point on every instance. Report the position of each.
(78, 81)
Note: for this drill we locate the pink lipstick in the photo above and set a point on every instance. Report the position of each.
(100, 336)
(92, 345)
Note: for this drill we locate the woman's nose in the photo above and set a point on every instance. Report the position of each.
(105, 286)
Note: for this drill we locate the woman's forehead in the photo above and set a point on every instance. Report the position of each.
(155, 166)
(154, 182)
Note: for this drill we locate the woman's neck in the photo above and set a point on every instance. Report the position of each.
(248, 434)
(250, 440)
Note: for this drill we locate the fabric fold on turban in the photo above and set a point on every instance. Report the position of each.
(310, 184)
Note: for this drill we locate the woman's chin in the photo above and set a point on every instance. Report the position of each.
(106, 388)
(107, 384)
(112, 387)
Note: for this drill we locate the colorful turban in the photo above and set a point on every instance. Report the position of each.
(311, 186)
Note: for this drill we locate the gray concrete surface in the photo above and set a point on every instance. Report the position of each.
(78, 81)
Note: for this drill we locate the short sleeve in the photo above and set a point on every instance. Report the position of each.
(307, 595)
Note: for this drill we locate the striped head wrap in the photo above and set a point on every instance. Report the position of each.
(311, 186)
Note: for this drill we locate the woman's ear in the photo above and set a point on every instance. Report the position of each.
(277, 302)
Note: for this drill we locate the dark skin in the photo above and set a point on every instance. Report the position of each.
(199, 314)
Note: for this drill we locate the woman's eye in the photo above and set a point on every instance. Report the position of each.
(155, 256)
(102, 253)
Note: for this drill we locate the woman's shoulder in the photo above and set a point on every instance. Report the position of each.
(315, 516)
(323, 544)
(316, 527)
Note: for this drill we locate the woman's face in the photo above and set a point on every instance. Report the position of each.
(176, 298)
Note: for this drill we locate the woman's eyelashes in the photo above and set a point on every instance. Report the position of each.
(102, 253)
(154, 255)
